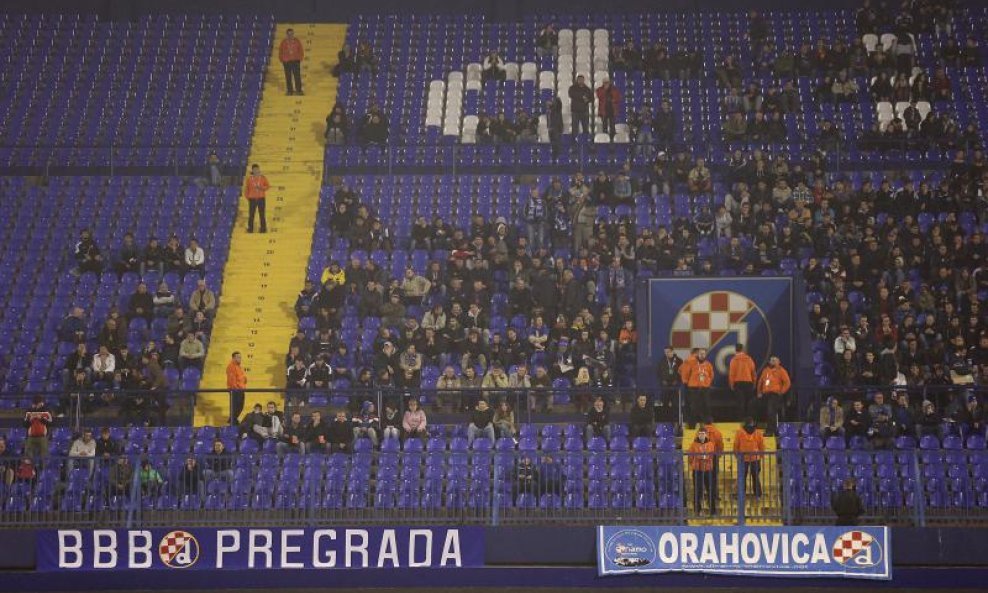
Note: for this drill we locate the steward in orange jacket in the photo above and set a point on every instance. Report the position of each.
(702, 461)
(748, 441)
(741, 379)
(255, 190)
(236, 382)
(290, 52)
(698, 378)
(773, 383)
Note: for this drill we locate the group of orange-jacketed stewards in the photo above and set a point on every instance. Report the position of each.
(771, 385)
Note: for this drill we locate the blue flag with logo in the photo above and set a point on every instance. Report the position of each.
(840, 552)
(714, 314)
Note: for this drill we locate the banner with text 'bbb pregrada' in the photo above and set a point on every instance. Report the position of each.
(269, 549)
(839, 552)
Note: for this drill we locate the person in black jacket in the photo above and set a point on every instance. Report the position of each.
(319, 374)
(219, 464)
(847, 504)
(857, 421)
(481, 423)
(346, 61)
(642, 420)
(191, 477)
(293, 437)
(554, 122)
(580, 97)
(669, 380)
(316, 434)
(106, 447)
(141, 304)
(598, 421)
(340, 434)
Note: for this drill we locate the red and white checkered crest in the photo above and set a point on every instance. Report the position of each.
(850, 545)
(178, 549)
(709, 318)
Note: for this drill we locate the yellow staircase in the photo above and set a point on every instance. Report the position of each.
(265, 272)
(756, 510)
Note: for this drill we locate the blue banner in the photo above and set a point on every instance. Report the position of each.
(715, 314)
(840, 552)
(267, 549)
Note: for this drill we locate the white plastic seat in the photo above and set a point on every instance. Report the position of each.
(601, 33)
(451, 130)
(924, 108)
(621, 138)
(474, 84)
(474, 67)
(900, 107)
(470, 121)
(467, 138)
(433, 121)
(622, 129)
(888, 41)
(527, 75)
(583, 34)
(870, 41)
(455, 76)
(437, 85)
(884, 107)
(601, 139)
(511, 71)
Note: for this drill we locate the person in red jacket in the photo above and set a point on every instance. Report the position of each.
(290, 53)
(608, 99)
(773, 384)
(255, 191)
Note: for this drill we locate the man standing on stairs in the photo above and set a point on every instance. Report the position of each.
(699, 377)
(741, 378)
(291, 53)
(255, 191)
(773, 384)
(236, 382)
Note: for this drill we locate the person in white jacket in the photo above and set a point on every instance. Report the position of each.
(83, 447)
(104, 363)
(195, 258)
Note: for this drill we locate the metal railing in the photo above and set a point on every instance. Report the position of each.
(122, 159)
(484, 487)
(453, 406)
(583, 154)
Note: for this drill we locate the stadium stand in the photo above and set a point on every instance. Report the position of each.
(789, 162)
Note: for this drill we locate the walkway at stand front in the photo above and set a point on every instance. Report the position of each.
(265, 271)
(756, 509)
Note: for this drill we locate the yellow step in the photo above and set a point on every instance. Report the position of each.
(265, 272)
